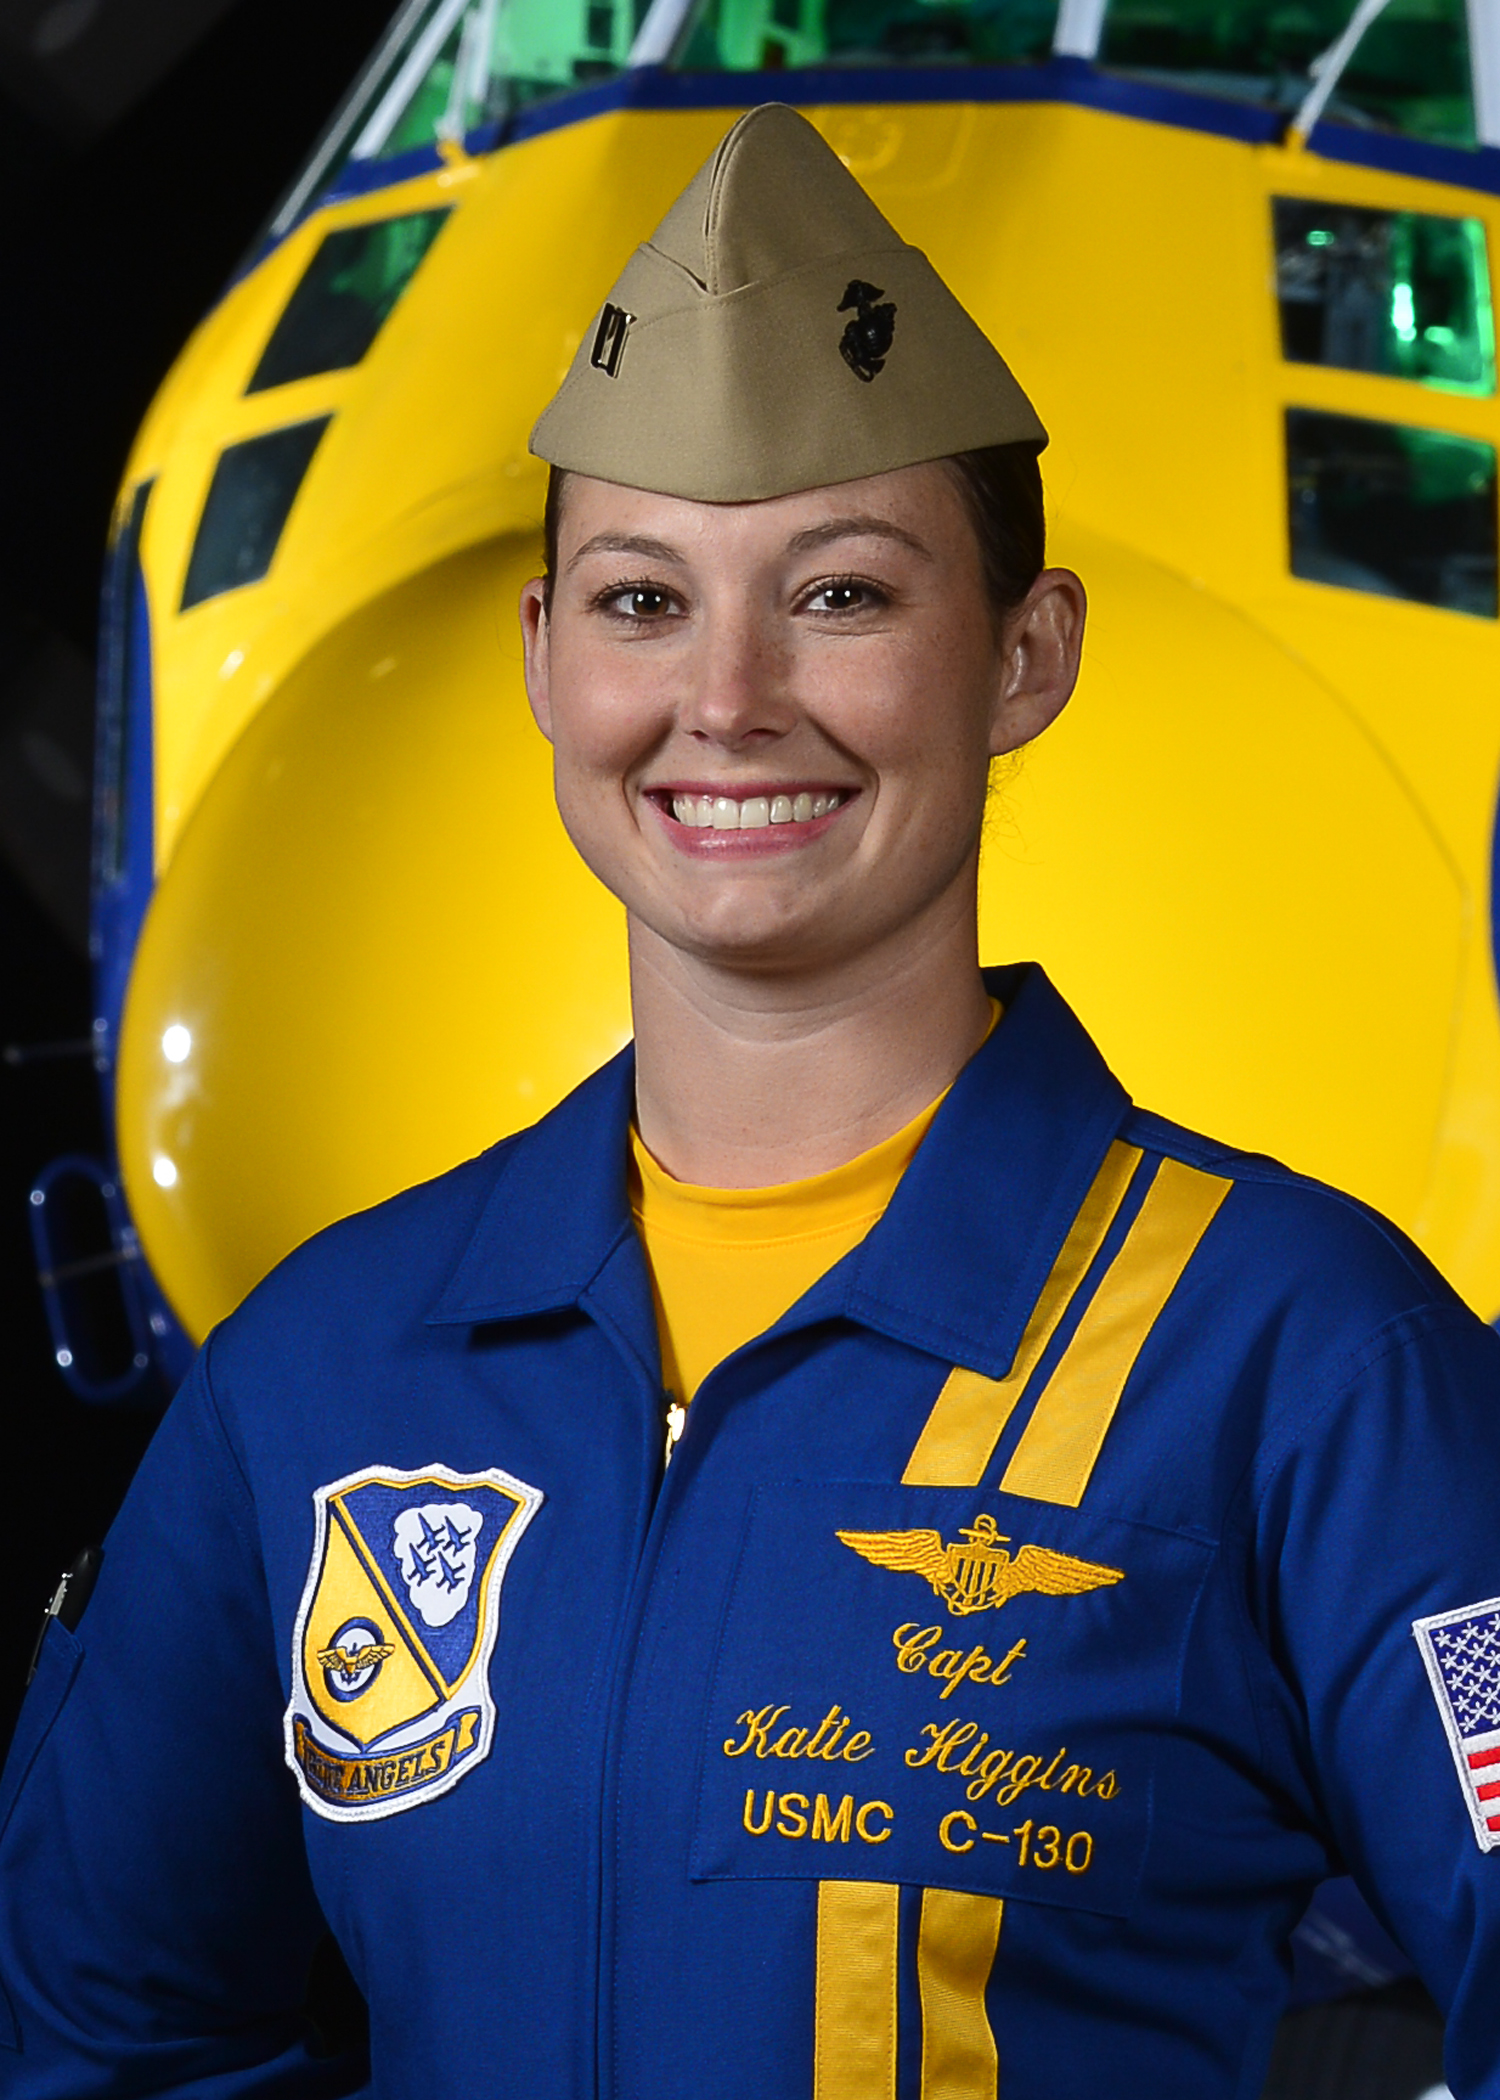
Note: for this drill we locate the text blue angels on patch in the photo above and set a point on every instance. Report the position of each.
(391, 1702)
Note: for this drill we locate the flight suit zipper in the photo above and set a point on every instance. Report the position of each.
(669, 1489)
(618, 1679)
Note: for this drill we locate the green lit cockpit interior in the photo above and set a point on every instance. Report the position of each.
(1408, 74)
(1397, 292)
(1394, 509)
(453, 65)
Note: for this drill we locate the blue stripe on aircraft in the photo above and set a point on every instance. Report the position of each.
(1062, 80)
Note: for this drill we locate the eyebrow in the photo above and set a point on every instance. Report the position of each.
(860, 526)
(626, 543)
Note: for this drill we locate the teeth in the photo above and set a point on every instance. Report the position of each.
(723, 813)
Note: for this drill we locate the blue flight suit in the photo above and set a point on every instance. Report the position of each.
(1022, 1630)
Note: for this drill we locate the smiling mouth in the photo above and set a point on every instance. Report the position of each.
(753, 812)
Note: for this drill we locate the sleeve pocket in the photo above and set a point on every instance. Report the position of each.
(56, 1666)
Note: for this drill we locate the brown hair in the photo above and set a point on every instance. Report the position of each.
(1002, 490)
(1001, 486)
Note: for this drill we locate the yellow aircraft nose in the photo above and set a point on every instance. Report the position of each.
(1241, 895)
(374, 950)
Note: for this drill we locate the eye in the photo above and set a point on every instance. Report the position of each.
(844, 594)
(635, 601)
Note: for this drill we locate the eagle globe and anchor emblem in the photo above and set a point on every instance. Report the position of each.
(981, 1573)
(866, 342)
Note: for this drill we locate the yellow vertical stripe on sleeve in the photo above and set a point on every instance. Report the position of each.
(955, 1953)
(854, 2052)
(1056, 1454)
(971, 1412)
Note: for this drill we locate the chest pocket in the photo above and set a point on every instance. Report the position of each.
(944, 1686)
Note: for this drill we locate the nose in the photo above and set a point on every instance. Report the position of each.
(737, 689)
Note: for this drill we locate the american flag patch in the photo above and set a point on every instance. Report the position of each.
(1462, 1652)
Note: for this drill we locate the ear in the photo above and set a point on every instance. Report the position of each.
(1042, 644)
(535, 644)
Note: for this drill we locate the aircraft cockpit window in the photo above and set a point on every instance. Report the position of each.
(344, 297)
(1409, 72)
(254, 487)
(471, 61)
(756, 35)
(449, 68)
(1399, 292)
(1393, 510)
(121, 687)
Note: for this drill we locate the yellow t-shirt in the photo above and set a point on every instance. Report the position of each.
(727, 1263)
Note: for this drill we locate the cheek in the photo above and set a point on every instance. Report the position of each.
(586, 784)
(921, 723)
(604, 721)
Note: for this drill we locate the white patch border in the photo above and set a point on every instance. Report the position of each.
(529, 1501)
(1422, 1630)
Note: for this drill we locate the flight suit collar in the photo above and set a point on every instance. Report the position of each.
(953, 1268)
(977, 1221)
(557, 1212)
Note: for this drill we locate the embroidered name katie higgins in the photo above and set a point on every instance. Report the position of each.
(391, 1702)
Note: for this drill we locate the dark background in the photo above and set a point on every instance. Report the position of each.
(143, 144)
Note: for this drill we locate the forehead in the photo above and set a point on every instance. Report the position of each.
(918, 510)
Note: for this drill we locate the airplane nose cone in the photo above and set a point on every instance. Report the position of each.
(374, 951)
(1239, 891)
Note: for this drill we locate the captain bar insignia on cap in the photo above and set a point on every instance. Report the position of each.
(609, 339)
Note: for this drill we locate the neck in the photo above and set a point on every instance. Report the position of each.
(745, 1079)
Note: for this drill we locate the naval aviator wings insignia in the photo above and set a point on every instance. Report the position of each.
(982, 1573)
(391, 1702)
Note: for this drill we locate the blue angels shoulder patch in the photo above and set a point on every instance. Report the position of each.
(391, 1701)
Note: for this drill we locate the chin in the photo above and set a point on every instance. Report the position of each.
(756, 950)
(761, 948)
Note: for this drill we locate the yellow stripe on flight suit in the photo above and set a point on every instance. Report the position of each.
(955, 1953)
(854, 2047)
(970, 1413)
(1053, 1462)
(1056, 1454)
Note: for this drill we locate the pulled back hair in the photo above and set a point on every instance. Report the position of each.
(1001, 487)
(1002, 490)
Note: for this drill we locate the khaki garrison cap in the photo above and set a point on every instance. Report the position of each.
(777, 334)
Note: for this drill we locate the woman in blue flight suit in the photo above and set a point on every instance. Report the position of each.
(1081, 1568)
